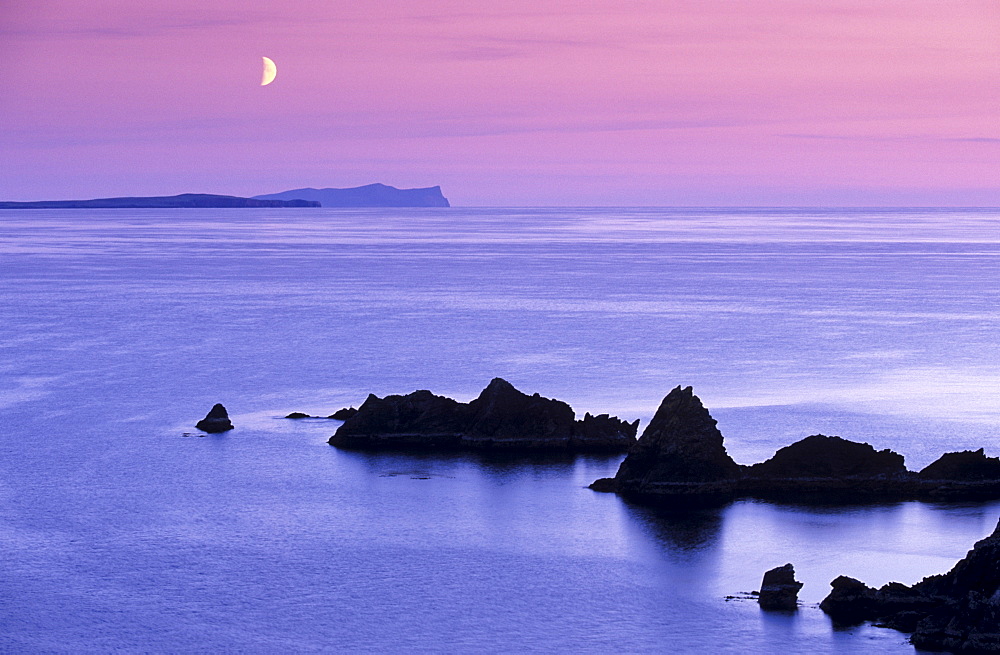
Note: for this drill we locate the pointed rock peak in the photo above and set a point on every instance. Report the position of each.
(680, 444)
(500, 388)
(686, 392)
(218, 411)
(217, 420)
(497, 384)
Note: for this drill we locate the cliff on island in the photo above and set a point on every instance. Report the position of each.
(371, 195)
(958, 611)
(501, 418)
(681, 459)
(182, 201)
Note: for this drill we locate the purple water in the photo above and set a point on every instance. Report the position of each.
(120, 329)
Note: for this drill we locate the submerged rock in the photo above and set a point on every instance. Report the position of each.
(500, 418)
(958, 611)
(217, 420)
(780, 590)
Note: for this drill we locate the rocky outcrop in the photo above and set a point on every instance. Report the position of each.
(298, 415)
(681, 459)
(820, 456)
(416, 420)
(603, 432)
(780, 590)
(343, 414)
(217, 420)
(501, 418)
(958, 611)
(965, 466)
(679, 453)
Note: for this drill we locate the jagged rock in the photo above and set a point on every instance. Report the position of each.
(779, 589)
(603, 432)
(500, 418)
(343, 414)
(820, 456)
(681, 460)
(419, 419)
(217, 420)
(679, 452)
(957, 611)
(966, 466)
(298, 415)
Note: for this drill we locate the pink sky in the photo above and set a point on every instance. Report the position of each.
(540, 102)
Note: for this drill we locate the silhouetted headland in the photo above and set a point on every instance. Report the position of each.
(370, 195)
(182, 201)
(680, 460)
(958, 611)
(501, 418)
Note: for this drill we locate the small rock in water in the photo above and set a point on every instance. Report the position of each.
(780, 589)
(217, 420)
(298, 415)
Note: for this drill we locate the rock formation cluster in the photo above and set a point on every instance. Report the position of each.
(681, 459)
(501, 418)
(958, 611)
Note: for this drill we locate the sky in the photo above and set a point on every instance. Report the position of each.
(508, 102)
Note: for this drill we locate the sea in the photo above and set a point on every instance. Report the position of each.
(124, 529)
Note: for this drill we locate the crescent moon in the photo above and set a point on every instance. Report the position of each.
(270, 72)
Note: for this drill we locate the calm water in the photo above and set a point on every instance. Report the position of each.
(121, 328)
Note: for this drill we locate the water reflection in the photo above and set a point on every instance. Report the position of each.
(680, 532)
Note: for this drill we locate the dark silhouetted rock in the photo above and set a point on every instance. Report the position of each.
(679, 452)
(850, 602)
(298, 415)
(603, 432)
(503, 417)
(681, 460)
(958, 611)
(182, 201)
(500, 418)
(370, 195)
(604, 485)
(217, 420)
(419, 419)
(779, 589)
(343, 414)
(820, 456)
(965, 466)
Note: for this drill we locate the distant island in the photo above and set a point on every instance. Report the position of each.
(183, 201)
(370, 195)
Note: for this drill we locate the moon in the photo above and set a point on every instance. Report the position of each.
(270, 71)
